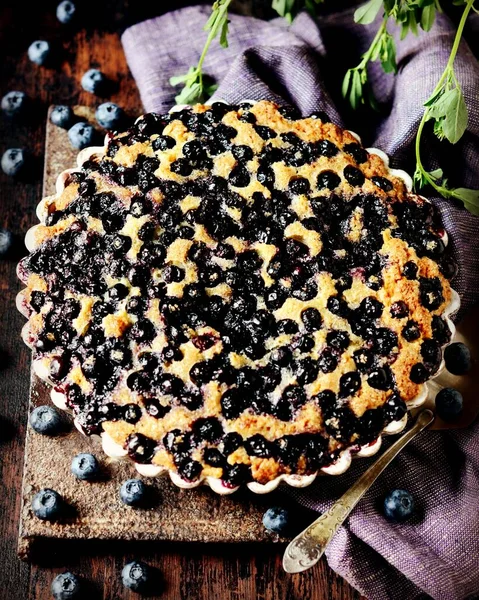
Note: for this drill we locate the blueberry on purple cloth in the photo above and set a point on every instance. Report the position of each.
(66, 586)
(398, 505)
(449, 404)
(458, 358)
(277, 519)
(136, 576)
(45, 420)
(13, 103)
(62, 116)
(48, 505)
(39, 52)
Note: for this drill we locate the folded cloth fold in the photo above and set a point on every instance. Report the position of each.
(435, 554)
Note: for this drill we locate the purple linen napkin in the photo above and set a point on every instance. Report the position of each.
(436, 554)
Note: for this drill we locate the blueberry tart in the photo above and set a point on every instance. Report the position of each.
(236, 295)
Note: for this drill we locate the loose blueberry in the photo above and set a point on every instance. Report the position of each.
(47, 505)
(398, 505)
(109, 115)
(85, 467)
(66, 586)
(136, 576)
(66, 12)
(277, 520)
(6, 242)
(46, 420)
(458, 358)
(13, 103)
(81, 135)
(62, 116)
(94, 81)
(449, 404)
(13, 161)
(133, 492)
(39, 52)
(410, 270)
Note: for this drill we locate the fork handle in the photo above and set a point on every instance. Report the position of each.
(308, 547)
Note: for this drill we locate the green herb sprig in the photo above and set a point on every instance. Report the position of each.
(410, 15)
(196, 89)
(447, 109)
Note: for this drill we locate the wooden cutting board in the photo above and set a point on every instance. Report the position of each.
(182, 515)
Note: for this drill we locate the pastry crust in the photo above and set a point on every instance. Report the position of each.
(235, 293)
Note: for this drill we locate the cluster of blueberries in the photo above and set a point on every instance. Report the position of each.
(81, 134)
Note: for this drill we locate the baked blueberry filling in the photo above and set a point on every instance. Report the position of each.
(230, 287)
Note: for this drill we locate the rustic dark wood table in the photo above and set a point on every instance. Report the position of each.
(189, 571)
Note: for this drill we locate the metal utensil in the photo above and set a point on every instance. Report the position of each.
(308, 547)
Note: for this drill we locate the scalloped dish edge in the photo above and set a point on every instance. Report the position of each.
(114, 450)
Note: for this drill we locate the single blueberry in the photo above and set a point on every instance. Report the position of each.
(39, 52)
(85, 466)
(66, 12)
(94, 81)
(13, 161)
(46, 420)
(398, 505)
(81, 135)
(6, 242)
(62, 116)
(133, 492)
(449, 404)
(136, 576)
(13, 103)
(109, 115)
(458, 358)
(66, 586)
(277, 519)
(47, 505)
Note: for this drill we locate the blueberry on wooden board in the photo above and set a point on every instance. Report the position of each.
(449, 403)
(109, 115)
(6, 242)
(94, 81)
(62, 116)
(13, 161)
(277, 520)
(136, 576)
(48, 505)
(458, 358)
(81, 135)
(66, 586)
(66, 12)
(13, 103)
(39, 52)
(45, 420)
(133, 492)
(85, 466)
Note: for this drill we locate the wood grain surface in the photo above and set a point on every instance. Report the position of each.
(189, 571)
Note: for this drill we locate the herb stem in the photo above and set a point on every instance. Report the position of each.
(367, 55)
(211, 36)
(448, 71)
